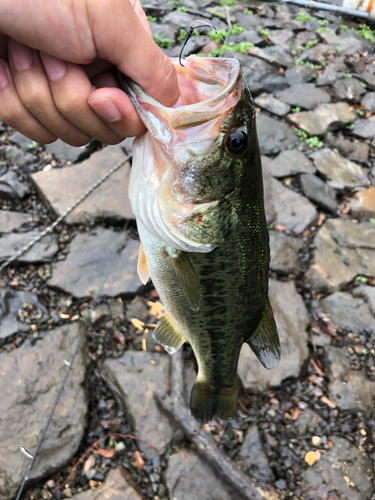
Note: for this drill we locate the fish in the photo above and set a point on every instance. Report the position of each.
(197, 193)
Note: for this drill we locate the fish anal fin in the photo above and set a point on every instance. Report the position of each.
(187, 278)
(167, 334)
(142, 267)
(265, 342)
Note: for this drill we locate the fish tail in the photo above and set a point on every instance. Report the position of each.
(207, 401)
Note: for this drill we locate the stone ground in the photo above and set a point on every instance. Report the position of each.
(305, 430)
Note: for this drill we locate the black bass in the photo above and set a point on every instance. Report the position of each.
(196, 190)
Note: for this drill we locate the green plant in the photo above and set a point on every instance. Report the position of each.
(344, 27)
(151, 19)
(182, 35)
(372, 221)
(338, 49)
(227, 3)
(263, 32)
(182, 9)
(329, 134)
(361, 279)
(350, 127)
(164, 43)
(287, 182)
(249, 12)
(200, 54)
(304, 16)
(218, 36)
(323, 22)
(301, 134)
(347, 75)
(366, 32)
(296, 110)
(321, 30)
(242, 47)
(236, 30)
(309, 45)
(363, 85)
(360, 112)
(364, 351)
(314, 142)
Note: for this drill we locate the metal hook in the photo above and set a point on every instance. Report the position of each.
(191, 30)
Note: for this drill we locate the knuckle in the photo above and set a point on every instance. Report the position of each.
(68, 104)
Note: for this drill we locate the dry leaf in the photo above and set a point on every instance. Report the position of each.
(155, 309)
(138, 324)
(347, 480)
(93, 484)
(139, 462)
(89, 463)
(327, 402)
(106, 453)
(321, 219)
(317, 368)
(295, 412)
(312, 456)
(119, 336)
(280, 227)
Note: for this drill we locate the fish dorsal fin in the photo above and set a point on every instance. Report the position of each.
(167, 334)
(142, 267)
(265, 342)
(187, 278)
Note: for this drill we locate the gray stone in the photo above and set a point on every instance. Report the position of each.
(63, 151)
(316, 55)
(14, 156)
(307, 421)
(343, 251)
(355, 151)
(274, 136)
(336, 364)
(284, 253)
(116, 306)
(365, 128)
(340, 172)
(369, 101)
(269, 103)
(12, 220)
(349, 89)
(253, 455)
(166, 31)
(332, 72)
(262, 77)
(43, 251)
(299, 74)
(11, 187)
(246, 21)
(368, 293)
(251, 36)
(348, 313)
(292, 320)
(304, 95)
(13, 306)
(21, 140)
(367, 78)
(362, 205)
(188, 476)
(290, 162)
(286, 207)
(274, 54)
(342, 462)
(60, 188)
(345, 43)
(134, 379)
(284, 38)
(319, 192)
(114, 488)
(179, 19)
(83, 273)
(324, 118)
(30, 378)
(99, 314)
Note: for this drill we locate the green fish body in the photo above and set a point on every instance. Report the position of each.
(197, 193)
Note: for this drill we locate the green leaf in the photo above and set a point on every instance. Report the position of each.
(361, 279)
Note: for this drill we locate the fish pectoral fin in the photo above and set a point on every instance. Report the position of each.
(265, 342)
(187, 278)
(142, 267)
(167, 334)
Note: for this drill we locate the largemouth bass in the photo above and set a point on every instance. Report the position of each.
(196, 190)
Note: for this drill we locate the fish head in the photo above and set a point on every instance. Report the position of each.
(193, 161)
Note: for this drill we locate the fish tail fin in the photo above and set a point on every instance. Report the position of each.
(207, 401)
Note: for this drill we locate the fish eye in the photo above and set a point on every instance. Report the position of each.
(236, 142)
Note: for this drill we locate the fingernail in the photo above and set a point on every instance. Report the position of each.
(55, 68)
(21, 55)
(106, 109)
(4, 75)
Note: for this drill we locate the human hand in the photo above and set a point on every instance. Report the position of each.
(58, 61)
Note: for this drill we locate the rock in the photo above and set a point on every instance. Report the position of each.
(246, 21)
(12, 220)
(30, 378)
(251, 36)
(324, 118)
(21, 140)
(340, 172)
(284, 253)
(290, 162)
(349, 89)
(166, 31)
(362, 204)
(355, 151)
(368, 293)
(318, 192)
(316, 55)
(12, 188)
(284, 38)
(116, 306)
(269, 103)
(304, 95)
(12, 311)
(179, 19)
(114, 488)
(63, 151)
(43, 251)
(60, 188)
(307, 421)
(291, 320)
(344, 469)
(365, 128)
(137, 308)
(369, 101)
(274, 136)
(99, 314)
(262, 77)
(299, 74)
(254, 456)
(367, 78)
(14, 156)
(332, 72)
(84, 273)
(349, 313)
(286, 207)
(134, 379)
(188, 476)
(274, 54)
(343, 251)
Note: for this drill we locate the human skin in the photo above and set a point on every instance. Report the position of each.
(58, 68)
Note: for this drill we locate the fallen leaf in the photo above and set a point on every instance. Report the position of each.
(347, 480)
(270, 440)
(138, 324)
(317, 368)
(280, 227)
(327, 402)
(106, 453)
(155, 309)
(295, 412)
(89, 463)
(119, 336)
(139, 462)
(312, 456)
(93, 484)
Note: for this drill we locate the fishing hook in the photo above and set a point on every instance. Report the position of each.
(191, 30)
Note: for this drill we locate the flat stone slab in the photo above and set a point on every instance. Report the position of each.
(355, 151)
(63, 151)
(135, 378)
(11, 187)
(269, 103)
(284, 253)
(275, 54)
(340, 172)
(262, 76)
(369, 101)
(30, 377)
(324, 118)
(349, 89)
(114, 487)
(319, 192)
(274, 136)
(299, 74)
(349, 313)
(60, 188)
(12, 220)
(43, 251)
(292, 320)
(365, 128)
(343, 251)
(91, 257)
(253, 455)
(362, 204)
(304, 95)
(290, 162)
